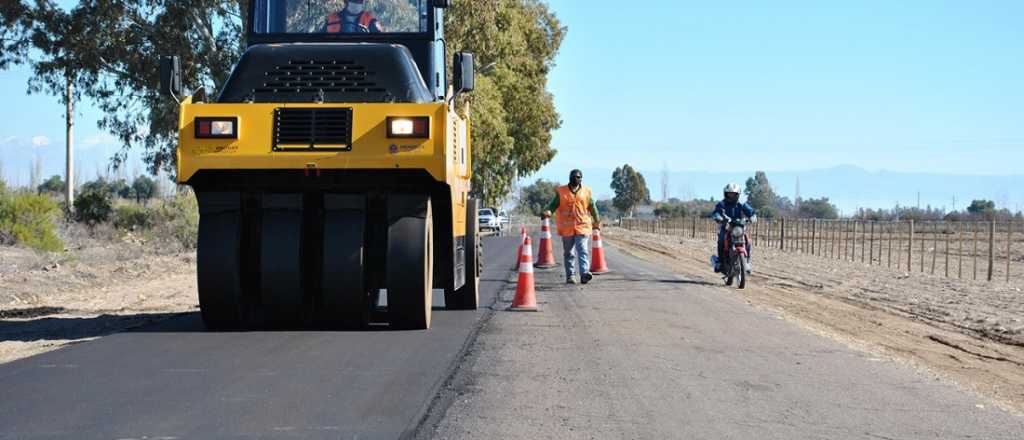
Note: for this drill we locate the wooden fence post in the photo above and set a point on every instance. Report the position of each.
(853, 241)
(991, 247)
(945, 238)
(1009, 248)
(871, 241)
(863, 244)
(814, 236)
(888, 235)
(935, 244)
(910, 248)
(693, 234)
(923, 239)
(899, 243)
(846, 240)
(782, 234)
(974, 256)
(960, 250)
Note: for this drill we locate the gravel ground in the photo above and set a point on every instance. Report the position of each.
(655, 351)
(99, 287)
(991, 310)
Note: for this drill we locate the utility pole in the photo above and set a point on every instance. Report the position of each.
(69, 177)
(664, 182)
(796, 198)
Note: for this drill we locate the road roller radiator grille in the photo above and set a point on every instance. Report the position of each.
(304, 129)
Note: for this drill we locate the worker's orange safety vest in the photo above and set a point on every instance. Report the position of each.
(334, 21)
(574, 211)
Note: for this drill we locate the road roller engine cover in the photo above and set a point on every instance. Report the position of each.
(333, 170)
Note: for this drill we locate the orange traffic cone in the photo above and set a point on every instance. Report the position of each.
(519, 252)
(526, 296)
(597, 263)
(546, 257)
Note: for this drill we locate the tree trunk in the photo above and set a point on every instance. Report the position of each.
(69, 178)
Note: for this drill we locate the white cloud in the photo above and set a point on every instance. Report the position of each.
(97, 139)
(40, 141)
(11, 140)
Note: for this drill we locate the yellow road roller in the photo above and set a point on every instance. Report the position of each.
(332, 170)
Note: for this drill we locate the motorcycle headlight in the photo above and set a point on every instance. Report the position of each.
(737, 232)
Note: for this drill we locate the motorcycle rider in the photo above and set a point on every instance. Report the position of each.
(730, 207)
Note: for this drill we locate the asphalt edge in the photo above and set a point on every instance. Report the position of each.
(429, 417)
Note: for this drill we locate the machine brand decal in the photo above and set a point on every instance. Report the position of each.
(395, 149)
(215, 150)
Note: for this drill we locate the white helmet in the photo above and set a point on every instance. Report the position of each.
(732, 188)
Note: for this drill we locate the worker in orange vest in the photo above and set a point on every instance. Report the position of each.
(577, 217)
(353, 19)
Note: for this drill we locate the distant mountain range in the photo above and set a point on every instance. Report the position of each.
(849, 187)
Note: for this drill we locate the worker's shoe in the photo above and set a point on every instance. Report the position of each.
(587, 277)
(571, 280)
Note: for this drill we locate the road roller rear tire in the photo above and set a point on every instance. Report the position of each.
(343, 300)
(467, 297)
(282, 303)
(409, 269)
(218, 260)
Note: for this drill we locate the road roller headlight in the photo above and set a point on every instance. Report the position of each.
(409, 127)
(216, 128)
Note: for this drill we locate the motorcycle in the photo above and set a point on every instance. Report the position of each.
(737, 267)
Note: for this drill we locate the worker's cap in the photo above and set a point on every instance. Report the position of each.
(576, 173)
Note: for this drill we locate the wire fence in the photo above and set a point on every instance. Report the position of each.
(974, 250)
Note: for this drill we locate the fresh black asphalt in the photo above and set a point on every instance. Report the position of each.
(173, 380)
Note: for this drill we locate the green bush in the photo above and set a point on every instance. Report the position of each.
(29, 218)
(178, 219)
(133, 217)
(93, 207)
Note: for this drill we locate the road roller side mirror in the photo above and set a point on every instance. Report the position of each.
(465, 74)
(170, 77)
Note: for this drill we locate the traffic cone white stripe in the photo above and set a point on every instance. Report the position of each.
(526, 296)
(525, 268)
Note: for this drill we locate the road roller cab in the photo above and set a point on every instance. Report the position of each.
(332, 170)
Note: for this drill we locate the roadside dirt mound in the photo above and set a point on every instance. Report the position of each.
(50, 300)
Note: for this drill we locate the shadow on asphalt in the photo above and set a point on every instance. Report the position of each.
(30, 312)
(63, 328)
(689, 282)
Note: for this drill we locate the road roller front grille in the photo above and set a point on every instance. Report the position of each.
(319, 129)
(315, 76)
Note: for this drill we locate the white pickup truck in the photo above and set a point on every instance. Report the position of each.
(489, 221)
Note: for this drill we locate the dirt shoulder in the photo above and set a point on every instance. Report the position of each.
(969, 333)
(50, 300)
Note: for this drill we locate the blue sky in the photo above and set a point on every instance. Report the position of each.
(909, 86)
(914, 86)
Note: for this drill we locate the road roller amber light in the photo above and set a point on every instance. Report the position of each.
(216, 128)
(406, 127)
